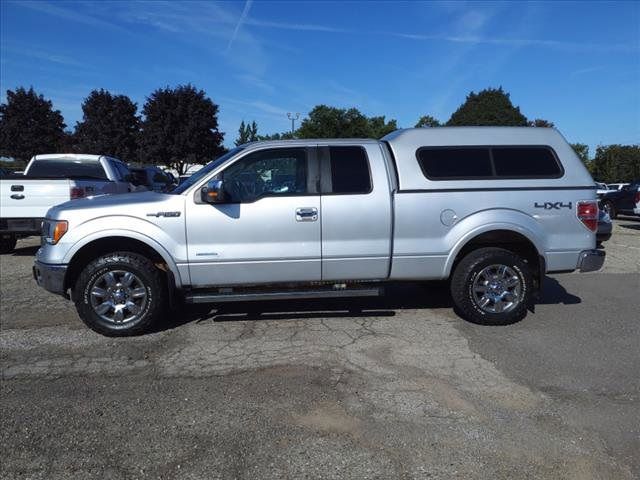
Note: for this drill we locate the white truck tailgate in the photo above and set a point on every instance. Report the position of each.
(31, 198)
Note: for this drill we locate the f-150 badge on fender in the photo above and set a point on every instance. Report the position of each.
(164, 214)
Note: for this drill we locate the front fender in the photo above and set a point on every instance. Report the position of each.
(167, 240)
(470, 227)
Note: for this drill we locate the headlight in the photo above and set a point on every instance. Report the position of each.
(54, 230)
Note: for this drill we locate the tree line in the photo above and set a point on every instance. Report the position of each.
(179, 127)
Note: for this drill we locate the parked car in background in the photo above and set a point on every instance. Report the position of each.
(152, 178)
(617, 186)
(50, 180)
(605, 227)
(602, 188)
(492, 209)
(174, 180)
(622, 201)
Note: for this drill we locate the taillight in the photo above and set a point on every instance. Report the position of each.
(637, 197)
(76, 192)
(587, 213)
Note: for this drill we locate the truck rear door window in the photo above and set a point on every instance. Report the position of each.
(528, 162)
(349, 170)
(446, 163)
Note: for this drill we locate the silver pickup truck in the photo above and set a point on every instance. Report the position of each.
(490, 209)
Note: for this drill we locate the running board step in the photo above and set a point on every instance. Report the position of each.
(290, 295)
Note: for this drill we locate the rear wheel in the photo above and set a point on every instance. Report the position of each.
(120, 294)
(610, 209)
(7, 243)
(492, 286)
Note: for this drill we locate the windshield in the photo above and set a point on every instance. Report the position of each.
(204, 171)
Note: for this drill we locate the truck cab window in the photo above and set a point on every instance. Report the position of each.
(349, 170)
(276, 172)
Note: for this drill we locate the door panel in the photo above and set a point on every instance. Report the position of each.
(253, 242)
(356, 227)
(271, 233)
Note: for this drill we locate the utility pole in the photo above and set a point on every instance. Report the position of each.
(293, 117)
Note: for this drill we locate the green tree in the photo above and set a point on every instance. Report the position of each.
(331, 122)
(428, 121)
(29, 125)
(109, 126)
(378, 127)
(582, 150)
(180, 128)
(540, 122)
(617, 163)
(277, 136)
(489, 107)
(247, 133)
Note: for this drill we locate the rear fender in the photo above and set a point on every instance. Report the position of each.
(490, 220)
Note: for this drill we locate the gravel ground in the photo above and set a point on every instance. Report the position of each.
(396, 387)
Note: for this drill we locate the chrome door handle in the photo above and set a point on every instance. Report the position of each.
(306, 214)
(17, 196)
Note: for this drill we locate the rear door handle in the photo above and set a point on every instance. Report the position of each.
(306, 214)
(17, 196)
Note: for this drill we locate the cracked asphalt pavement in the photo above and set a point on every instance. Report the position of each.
(394, 387)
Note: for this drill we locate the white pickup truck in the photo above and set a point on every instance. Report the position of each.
(50, 180)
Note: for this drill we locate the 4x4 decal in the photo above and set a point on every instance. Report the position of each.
(553, 205)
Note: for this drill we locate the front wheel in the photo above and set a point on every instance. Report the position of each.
(492, 286)
(119, 294)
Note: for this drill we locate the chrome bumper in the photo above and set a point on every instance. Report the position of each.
(591, 260)
(50, 277)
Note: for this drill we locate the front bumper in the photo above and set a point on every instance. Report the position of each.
(591, 260)
(50, 277)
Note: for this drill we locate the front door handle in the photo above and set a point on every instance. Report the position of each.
(306, 214)
(17, 196)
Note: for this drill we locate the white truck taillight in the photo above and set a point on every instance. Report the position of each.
(76, 192)
(587, 213)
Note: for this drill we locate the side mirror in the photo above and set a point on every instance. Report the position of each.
(212, 192)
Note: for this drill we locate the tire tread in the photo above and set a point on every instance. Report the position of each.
(133, 260)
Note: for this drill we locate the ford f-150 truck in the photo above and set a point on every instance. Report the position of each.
(49, 180)
(491, 209)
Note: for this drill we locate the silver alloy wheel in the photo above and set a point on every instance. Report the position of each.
(118, 296)
(497, 289)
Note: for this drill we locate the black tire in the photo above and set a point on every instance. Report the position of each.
(610, 209)
(7, 244)
(464, 294)
(151, 280)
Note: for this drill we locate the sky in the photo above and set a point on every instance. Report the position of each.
(576, 64)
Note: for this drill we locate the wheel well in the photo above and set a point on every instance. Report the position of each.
(103, 246)
(509, 240)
